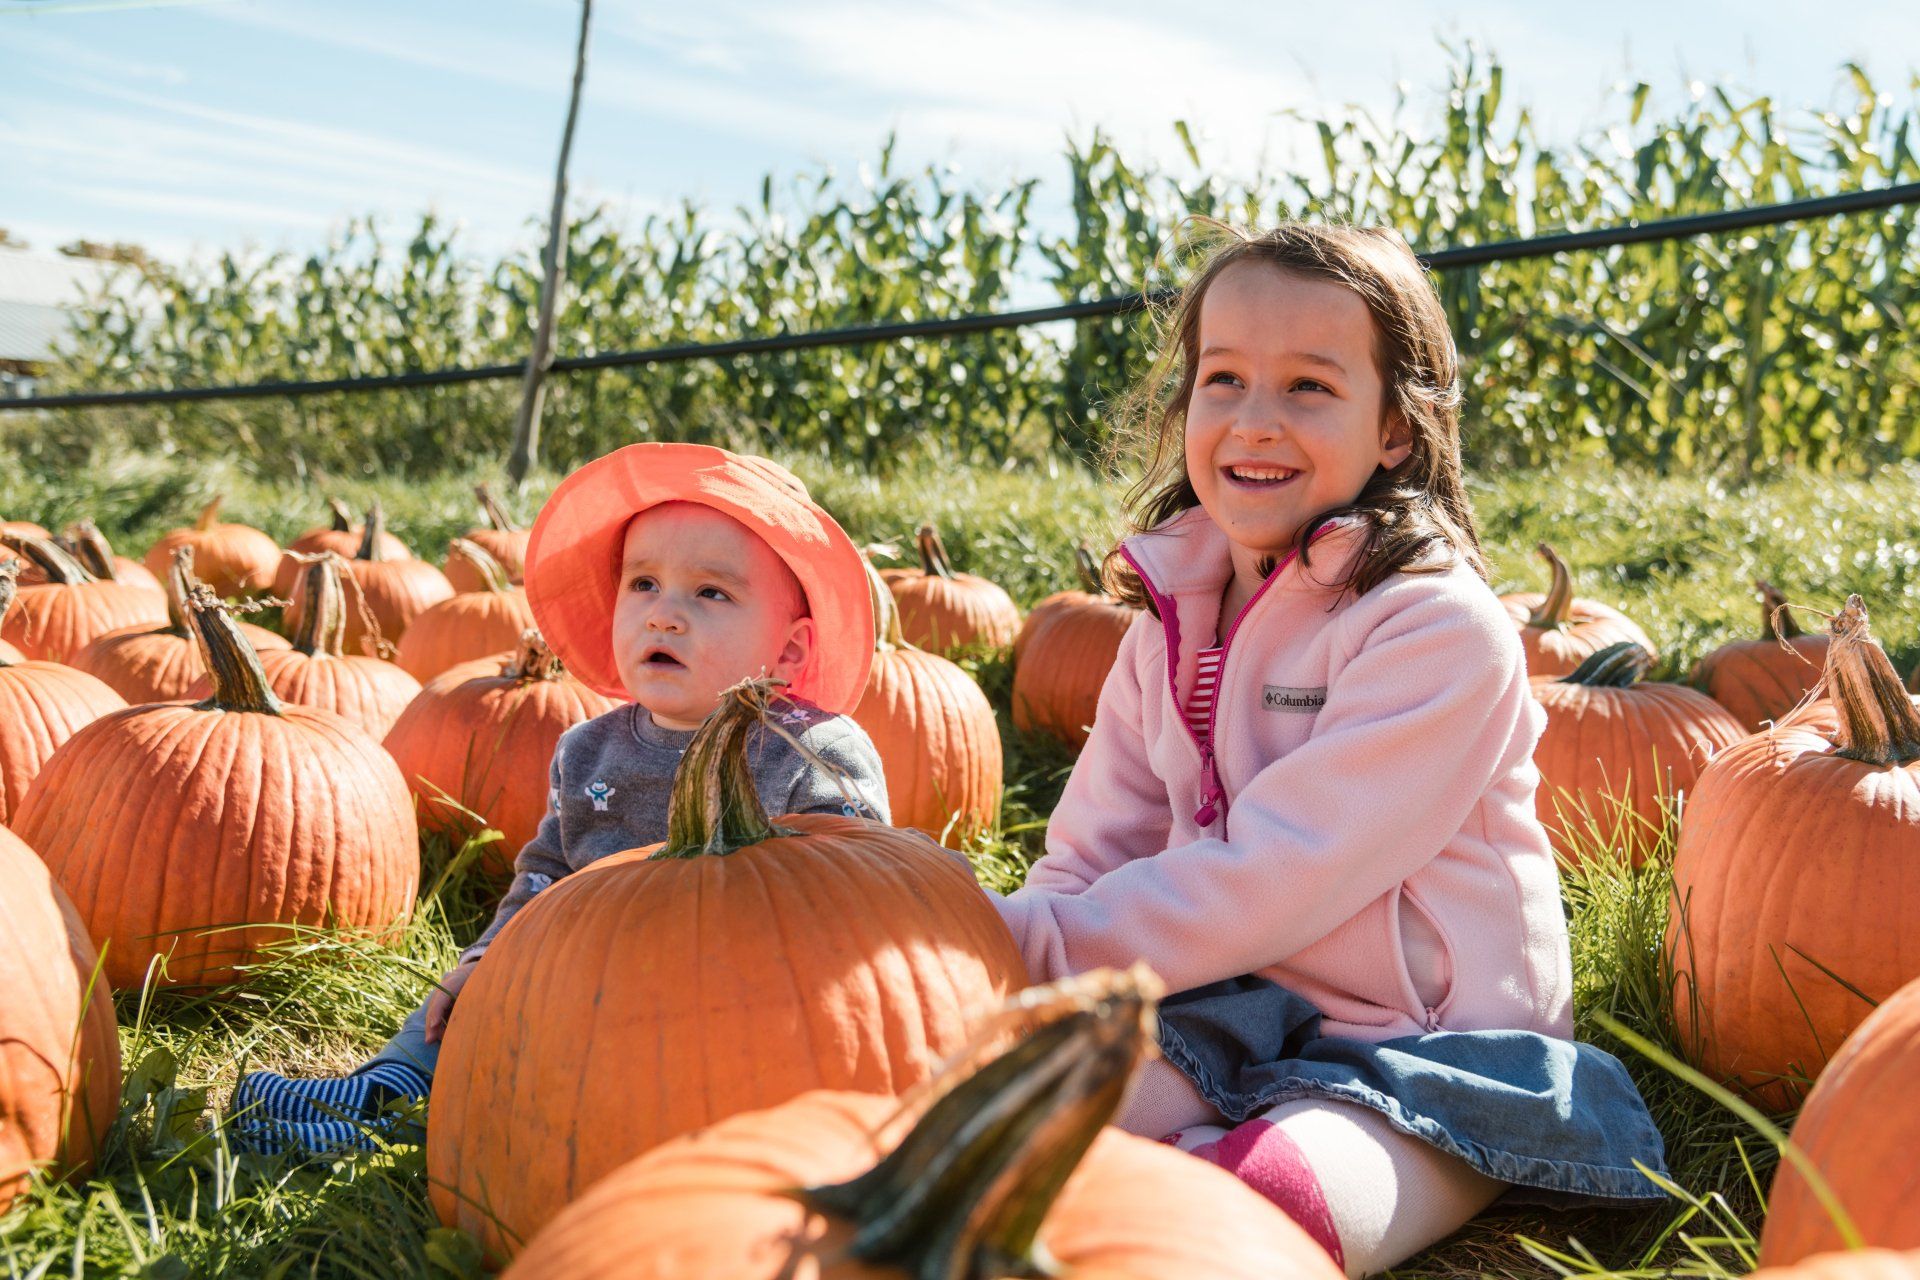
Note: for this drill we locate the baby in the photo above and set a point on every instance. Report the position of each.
(663, 573)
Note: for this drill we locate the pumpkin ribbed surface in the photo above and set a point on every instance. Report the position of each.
(173, 824)
(487, 742)
(160, 664)
(1010, 1164)
(55, 621)
(938, 742)
(1860, 1128)
(42, 704)
(505, 541)
(1604, 745)
(59, 1049)
(342, 542)
(1795, 857)
(1762, 680)
(733, 968)
(1056, 685)
(941, 610)
(233, 559)
(366, 692)
(382, 595)
(471, 624)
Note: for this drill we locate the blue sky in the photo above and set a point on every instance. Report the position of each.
(265, 123)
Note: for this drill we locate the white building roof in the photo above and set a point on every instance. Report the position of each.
(40, 291)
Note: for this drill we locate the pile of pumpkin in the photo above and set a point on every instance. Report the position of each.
(119, 674)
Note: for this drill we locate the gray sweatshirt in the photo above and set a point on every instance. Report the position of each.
(611, 778)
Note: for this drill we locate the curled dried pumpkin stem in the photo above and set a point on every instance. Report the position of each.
(965, 1193)
(91, 548)
(323, 606)
(1776, 615)
(1556, 610)
(342, 515)
(534, 660)
(1878, 723)
(496, 514)
(714, 808)
(933, 553)
(239, 684)
(1617, 666)
(179, 584)
(491, 571)
(49, 557)
(370, 537)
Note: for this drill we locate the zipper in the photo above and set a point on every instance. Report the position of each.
(1213, 796)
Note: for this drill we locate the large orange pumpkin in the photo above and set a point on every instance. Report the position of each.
(160, 664)
(61, 615)
(1010, 1166)
(1797, 878)
(233, 559)
(1071, 640)
(736, 966)
(1559, 630)
(941, 610)
(198, 832)
(1860, 1129)
(939, 744)
(476, 751)
(316, 671)
(1091, 591)
(59, 1049)
(469, 624)
(342, 537)
(384, 594)
(42, 704)
(1848, 1264)
(502, 539)
(1762, 680)
(1613, 748)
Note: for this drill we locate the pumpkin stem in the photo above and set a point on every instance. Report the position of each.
(496, 514)
(180, 584)
(323, 607)
(49, 557)
(886, 614)
(1089, 569)
(714, 808)
(491, 571)
(342, 515)
(371, 536)
(534, 661)
(9, 583)
(1776, 617)
(238, 682)
(1557, 609)
(91, 548)
(1878, 723)
(964, 1194)
(1615, 667)
(933, 553)
(210, 514)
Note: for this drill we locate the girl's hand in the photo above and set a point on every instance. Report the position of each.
(440, 1003)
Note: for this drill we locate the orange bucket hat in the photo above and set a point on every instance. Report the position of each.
(573, 558)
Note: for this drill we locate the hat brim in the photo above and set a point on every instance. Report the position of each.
(574, 552)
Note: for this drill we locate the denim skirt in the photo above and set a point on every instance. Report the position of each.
(1559, 1120)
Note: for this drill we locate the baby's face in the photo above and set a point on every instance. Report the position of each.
(704, 603)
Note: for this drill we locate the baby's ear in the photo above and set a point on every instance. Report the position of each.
(798, 649)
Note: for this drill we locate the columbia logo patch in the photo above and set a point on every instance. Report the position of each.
(1278, 697)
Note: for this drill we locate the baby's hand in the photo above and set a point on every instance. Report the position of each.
(440, 1003)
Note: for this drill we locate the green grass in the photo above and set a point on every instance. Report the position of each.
(170, 1200)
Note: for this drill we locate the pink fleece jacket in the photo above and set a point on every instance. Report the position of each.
(1362, 830)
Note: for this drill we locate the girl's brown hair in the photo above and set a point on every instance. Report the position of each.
(1410, 510)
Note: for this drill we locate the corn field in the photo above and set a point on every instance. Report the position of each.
(1735, 353)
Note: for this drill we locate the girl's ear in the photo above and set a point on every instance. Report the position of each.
(798, 649)
(1396, 441)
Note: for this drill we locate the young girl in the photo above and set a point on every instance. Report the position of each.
(1307, 800)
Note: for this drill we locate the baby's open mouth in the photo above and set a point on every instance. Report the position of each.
(661, 658)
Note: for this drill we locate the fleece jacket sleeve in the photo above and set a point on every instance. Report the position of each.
(1123, 812)
(538, 865)
(1416, 725)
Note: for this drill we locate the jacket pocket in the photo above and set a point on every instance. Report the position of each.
(1424, 944)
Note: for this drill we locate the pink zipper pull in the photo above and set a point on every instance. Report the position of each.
(1211, 792)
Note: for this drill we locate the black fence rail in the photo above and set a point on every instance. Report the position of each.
(1449, 259)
